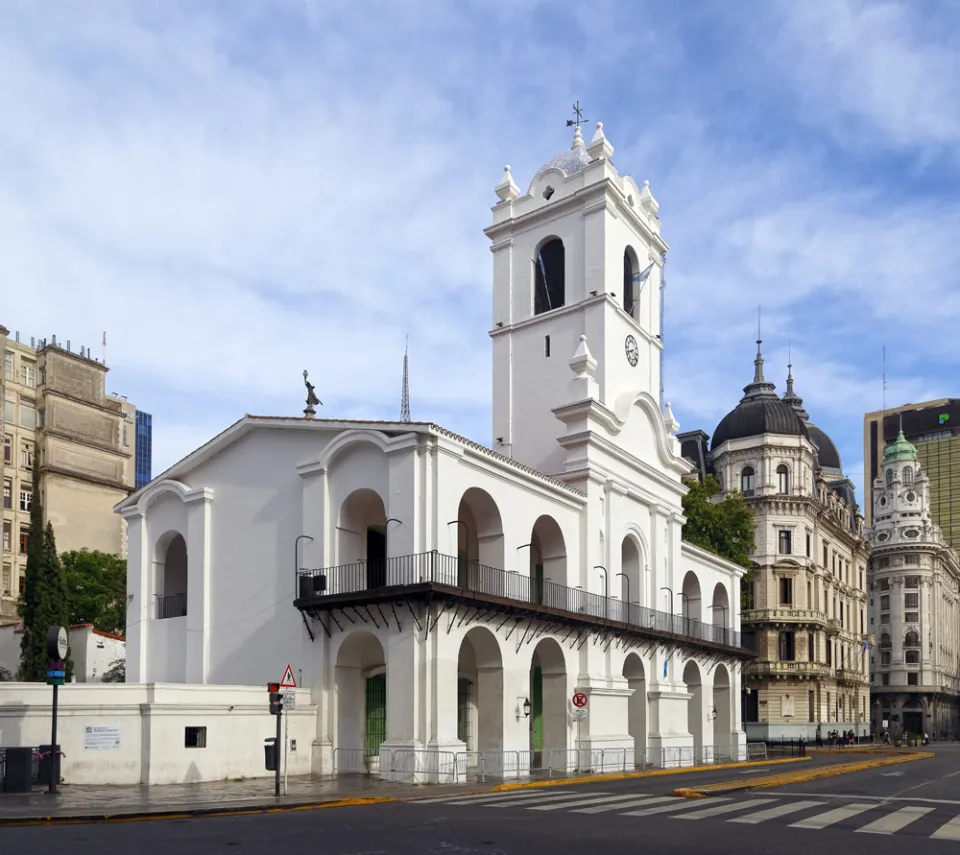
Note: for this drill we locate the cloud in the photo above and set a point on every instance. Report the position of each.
(301, 184)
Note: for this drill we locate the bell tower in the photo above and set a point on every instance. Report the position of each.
(579, 253)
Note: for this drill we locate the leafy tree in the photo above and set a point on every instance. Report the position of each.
(97, 589)
(722, 526)
(44, 602)
(5, 675)
(117, 672)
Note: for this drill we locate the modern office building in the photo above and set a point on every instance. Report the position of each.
(934, 428)
(914, 581)
(144, 449)
(54, 400)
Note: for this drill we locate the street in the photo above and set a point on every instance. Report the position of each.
(892, 805)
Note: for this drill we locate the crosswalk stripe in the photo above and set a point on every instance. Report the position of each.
(834, 816)
(948, 831)
(678, 804)
(639, 802)
(716, 811)
(774, 812)
(895, 821)
(477, 798)
(593, 800)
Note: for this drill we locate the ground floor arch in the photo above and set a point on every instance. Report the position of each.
(361, 702)
(695, 711)
(480, 701)
(548, 700)
(635, 675)
(722, 712)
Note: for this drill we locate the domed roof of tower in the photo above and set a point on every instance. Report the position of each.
(760, 411)
(900, 449)
(569, 162)
(827, 455)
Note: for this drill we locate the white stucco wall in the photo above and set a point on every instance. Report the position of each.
(151, 720)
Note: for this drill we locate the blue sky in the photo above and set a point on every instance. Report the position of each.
(236, 192)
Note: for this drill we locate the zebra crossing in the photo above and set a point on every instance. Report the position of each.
(814, 814)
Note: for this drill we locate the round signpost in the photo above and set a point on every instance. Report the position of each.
(58, 642)
(580, 700)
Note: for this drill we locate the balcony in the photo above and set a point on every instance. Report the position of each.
(833, 626)
(171, 606)
(850, 677)
(784, 614)
(789, 670)
(434, 576)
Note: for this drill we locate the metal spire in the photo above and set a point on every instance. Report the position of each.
(405, 393)
(760, 387)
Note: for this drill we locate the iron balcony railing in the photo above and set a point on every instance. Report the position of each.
(436, 568)
(171, 606)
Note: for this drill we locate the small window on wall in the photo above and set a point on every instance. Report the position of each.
(786, 592)
(194, 737)
(746, 481)
(785, 541)
(783, 479)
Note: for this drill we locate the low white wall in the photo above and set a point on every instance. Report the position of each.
(142, 728)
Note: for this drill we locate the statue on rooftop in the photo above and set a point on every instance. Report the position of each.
(312, 398)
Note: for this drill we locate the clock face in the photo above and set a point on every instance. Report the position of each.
(633, 352)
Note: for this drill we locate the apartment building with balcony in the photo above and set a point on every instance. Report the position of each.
(54, 399)
(914, 580)
(804, 602)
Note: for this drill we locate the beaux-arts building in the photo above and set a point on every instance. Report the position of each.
(458, 596)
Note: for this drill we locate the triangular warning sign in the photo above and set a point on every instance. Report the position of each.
(288, 682)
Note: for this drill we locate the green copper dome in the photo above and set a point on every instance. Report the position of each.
(900, 449)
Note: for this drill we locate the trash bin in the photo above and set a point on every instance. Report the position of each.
(46, 763)
(270, 753)
(18, 770)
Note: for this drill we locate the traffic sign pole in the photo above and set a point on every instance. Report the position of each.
(580, 701)
(286, 745)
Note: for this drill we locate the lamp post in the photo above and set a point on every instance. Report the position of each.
(296, 562)
(538, 583)
(724, 608)
(627, 580)
(606, 587)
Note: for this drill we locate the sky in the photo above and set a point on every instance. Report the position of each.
(236, 192)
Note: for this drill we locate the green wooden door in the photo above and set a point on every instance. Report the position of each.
(375, 732)
(536, 714)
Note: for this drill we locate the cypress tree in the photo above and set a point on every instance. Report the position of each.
(44, 601)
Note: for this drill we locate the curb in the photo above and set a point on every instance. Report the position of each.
(192, 813)
(797, 778)
(653, 773)
(255, 809)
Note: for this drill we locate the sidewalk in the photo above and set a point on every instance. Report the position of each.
(102, 803)
(105, 802)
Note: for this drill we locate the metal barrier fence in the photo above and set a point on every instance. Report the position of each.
(448, 767)
(786, 747)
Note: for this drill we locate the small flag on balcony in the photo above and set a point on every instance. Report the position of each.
(665, 661)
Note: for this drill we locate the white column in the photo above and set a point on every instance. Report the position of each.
(199, 552)
(140, 593)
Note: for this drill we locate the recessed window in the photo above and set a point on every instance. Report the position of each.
(911, 601)
(783, 479)
(746, 481)
(786, 592)
(913, 679)
(194, 737)
(546, 345)
(912, 657)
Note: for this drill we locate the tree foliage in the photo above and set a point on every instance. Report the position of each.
(97, 589)
(117, 672)
(44, 602)
(724, 527)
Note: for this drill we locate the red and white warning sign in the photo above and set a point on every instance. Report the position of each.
(288, 682)
(580, 700)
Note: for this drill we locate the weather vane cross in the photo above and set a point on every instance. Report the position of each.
(578, 116)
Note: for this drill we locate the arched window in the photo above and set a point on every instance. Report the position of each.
(746, 481)
(549, 291)
(631, 288)
(885, 641)
(907, 475)
(912, 639)
(783, 479)
(890, 477)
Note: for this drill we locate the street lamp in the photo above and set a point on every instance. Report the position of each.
(523, 708)
(606, 587)
(296, 562)
(627, 579)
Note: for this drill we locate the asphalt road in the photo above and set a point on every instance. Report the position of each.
(876, 811)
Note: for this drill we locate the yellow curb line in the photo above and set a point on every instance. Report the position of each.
(858, 750)
(798, 778)
(653, 773)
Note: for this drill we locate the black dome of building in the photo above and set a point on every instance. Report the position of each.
(760, 411)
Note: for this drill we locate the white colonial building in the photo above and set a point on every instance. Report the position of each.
(914, 604)
(440, 598)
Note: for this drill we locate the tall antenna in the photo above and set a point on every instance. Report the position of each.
(405, 393)
(883, 404)
(104, 347)
(663, 285)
